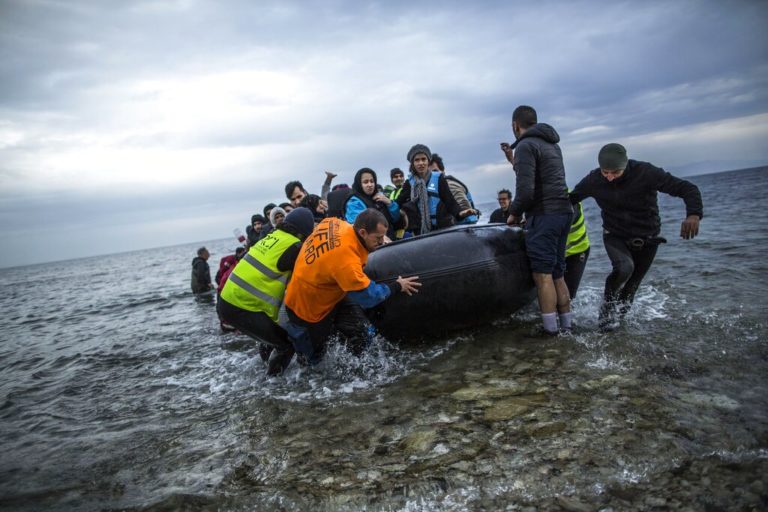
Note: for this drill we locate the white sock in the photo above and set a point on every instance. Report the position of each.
(550, 321)
(566, 320)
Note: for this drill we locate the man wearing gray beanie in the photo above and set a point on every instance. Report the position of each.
(428, 193)
(626, 192)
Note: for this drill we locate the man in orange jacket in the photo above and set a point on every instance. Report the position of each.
(329, 286)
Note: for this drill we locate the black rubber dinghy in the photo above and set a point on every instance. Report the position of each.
(470, 275)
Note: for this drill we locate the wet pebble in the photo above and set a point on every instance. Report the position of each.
(573, 504)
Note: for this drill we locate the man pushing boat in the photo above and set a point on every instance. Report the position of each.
(329, 287)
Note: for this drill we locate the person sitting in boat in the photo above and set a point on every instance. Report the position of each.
(253, 232)
(316, 205)
(337, 198)
(429, 195)
(267, 226)
(397, 177)
(295, 192)
(276, 216)
(329, 286)
(201, 272)
(253, 293)
(365, 195)
(502, 213)
(460, 191)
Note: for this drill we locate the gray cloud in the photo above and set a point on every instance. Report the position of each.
(118, 114)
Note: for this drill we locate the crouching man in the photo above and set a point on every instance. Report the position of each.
(253, 293)
(329, 287)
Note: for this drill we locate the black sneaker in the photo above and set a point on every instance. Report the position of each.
(541, 332)
(607, 324)
(278, 362)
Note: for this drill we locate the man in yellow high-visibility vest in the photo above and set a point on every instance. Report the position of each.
(253, 294)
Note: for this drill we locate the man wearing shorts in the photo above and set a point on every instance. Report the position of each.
(542, 196)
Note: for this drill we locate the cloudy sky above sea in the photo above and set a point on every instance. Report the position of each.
(128, 125)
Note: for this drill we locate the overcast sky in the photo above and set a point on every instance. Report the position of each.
(127, 125)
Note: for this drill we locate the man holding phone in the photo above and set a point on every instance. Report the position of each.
(541, 194)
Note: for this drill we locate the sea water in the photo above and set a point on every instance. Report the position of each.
(118, 391)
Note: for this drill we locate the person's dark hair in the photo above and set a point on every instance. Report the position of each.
(357, 184)
(258, 218)
(292, 185)
(340, 186)
(311, 201)
(525, 116)
(268, 209)
(505, 191)
(201, 250)
(239, 252)
(369, 220)
(438, 160)
(283, 205)
(394, 171)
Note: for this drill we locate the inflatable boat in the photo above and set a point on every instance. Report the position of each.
(470, 275)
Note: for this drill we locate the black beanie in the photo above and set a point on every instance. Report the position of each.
(612, 157)
(267, 209)
(301, 218)
(258, 218)
(419, 149)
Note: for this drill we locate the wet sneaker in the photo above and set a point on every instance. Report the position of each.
(265, 351)
(606, 320)
(278, 362)
(607, 325)
(541, 332)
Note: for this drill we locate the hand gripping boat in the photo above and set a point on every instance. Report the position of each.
(470, 275)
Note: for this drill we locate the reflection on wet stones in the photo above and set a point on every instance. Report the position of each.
(519, 430)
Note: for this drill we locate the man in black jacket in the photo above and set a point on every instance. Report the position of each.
(626, 192)
(201, 272)
(502, 213)
(542, 195)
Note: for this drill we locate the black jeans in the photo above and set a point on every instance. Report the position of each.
(347, 318)
(574, 269)
(256, 325)
(630, 264)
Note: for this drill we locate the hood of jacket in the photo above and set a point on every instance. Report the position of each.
(541, 131)
(357, 184)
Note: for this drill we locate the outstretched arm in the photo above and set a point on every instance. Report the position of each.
(329, 175)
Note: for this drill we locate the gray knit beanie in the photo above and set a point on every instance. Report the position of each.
(612, 157)
(275, 211)
(419, 149)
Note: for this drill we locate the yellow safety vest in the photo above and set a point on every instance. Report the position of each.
(578, 241)
(256, 284)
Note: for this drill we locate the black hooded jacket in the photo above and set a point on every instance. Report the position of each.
(201, 275)
(540, 183)
(629, 204)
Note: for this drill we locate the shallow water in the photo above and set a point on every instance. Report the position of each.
(119, 392)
